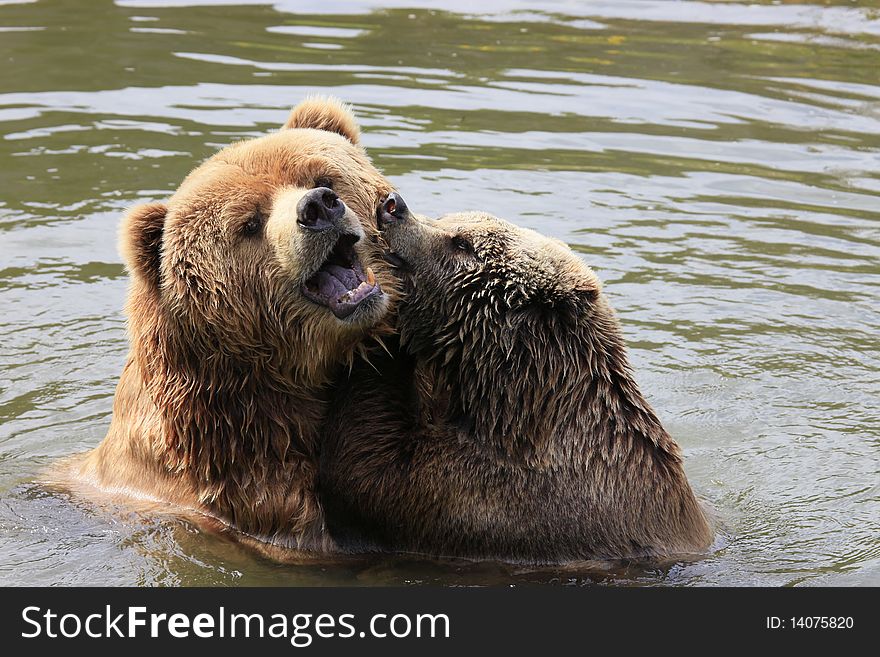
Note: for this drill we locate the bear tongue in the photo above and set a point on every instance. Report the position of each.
(329, 287)
(348, 302)
(341, 289)
(348, 277)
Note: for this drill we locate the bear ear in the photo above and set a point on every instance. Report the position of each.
(325, 113)
(140, 241)
(569, 306)
(576, 304)
(587, 293)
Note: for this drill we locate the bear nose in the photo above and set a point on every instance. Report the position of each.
(319, 209)
(393, 210)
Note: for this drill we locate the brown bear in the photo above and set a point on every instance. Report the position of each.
(249, 288)
(507, 424)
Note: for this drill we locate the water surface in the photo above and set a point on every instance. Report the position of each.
(717, 163)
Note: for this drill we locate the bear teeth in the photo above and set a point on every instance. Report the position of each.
(363, 287)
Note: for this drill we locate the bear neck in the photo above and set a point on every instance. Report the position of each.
(562, 391)
(606, 395)
(242, 435)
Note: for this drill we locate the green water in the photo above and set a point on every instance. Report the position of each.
(718, 164)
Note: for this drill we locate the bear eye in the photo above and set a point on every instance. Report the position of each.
(462, 244)
(253, 225)
(324, 181)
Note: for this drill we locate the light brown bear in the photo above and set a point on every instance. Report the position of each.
(507, 425)
(249, 288)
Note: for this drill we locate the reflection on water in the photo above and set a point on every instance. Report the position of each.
(717, 163)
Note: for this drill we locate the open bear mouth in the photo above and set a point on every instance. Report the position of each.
(341, 283)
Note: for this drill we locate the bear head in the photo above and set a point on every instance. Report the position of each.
(261, 258)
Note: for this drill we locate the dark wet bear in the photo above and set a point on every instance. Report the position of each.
(507, 423)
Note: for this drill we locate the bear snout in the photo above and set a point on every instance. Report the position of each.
(320, 209)
(393, 210)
